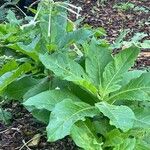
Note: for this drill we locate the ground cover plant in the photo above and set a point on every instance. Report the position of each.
(68, 78)
(124, 6)
(130, 6)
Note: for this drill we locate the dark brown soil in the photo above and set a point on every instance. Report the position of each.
(114, 20)
(23, 126)
(143, 61)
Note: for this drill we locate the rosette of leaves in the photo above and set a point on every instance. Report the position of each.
(103, 103)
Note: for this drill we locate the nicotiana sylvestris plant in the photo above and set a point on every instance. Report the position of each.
(97, 99)
(103, 103)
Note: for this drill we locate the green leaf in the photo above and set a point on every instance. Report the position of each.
(128, 144)
(102, 125)
(29, 49)
(18, 88)
(119, 141)
(138, 36)
(128, 76)
(9, 66)
(82, 94)
(77, 36)
(9, 77)
(138, 89)
(43, 85)
(142, 145)
(97, 57)
(84, 136)
(65, 114)
(48, 99)
(99, 32)
(114, 138)
(116, 68)
(120, 116)
(58, 26)
(41, 115)
(142, 118)
(12, 18)
(5, 116)
(145, 44)
(119, 41)
(67, 69)
(63, 67)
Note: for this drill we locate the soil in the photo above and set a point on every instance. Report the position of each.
(114, 20)
(143, 61)
(24, 127)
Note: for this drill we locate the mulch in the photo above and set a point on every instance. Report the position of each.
(23, 126)
(113, 20)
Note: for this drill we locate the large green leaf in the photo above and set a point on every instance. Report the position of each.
(58, 26)
(84, 136)
(9, 77)
(29, 49)
(63, 67)
(82, 94)
(43, 85)
(67, 69)
(120, 116)
(48, 99)
(18, 88)
(116, 68)
(142, 118)
(77, 36)
(65, 114)
(128, 76)
(138, 89)
(97, 57)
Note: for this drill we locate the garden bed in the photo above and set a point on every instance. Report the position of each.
(114, 20)
(22, 131)
(23, 127)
